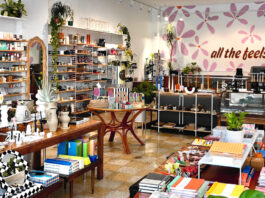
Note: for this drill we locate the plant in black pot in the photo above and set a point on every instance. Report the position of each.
(71, 18)
(147, 89)
(234, 132)
(13, 9)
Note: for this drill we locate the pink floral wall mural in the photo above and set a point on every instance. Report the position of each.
(249, 35)
(199, 47)
(219, 38)
(172, 15)
(261, 9)
(206, 20)
(233, 68)
(236, 15)
(209, 67)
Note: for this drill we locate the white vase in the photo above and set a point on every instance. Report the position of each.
(52, 121)
(49, 106)
(65, 119)
(234, 136)
(17, 178)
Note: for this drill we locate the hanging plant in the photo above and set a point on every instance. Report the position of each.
(59, 14)
(13, 9)
(171, 38)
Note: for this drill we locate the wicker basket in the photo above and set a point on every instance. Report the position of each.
(103, 103)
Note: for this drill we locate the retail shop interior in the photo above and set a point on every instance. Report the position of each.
(132, 98)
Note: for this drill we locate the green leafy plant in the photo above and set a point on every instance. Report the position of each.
(171, 39)
(59, 14)
(191, 68)
(124, 30)
(13, 9)
(147, 89)
(12, 168)
(252, 194)
(235, 122)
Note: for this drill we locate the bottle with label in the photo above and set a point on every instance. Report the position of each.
(12, 57)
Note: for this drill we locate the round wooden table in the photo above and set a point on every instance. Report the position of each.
(121, 127)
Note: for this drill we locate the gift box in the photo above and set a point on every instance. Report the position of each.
(46, 179)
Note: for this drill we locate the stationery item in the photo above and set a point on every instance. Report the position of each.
(92, 147)
(46, 179)
(226, 190)
(85, 149)
(75, 148)
(62, 148)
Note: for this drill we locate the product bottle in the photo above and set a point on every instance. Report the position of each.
(12, 57)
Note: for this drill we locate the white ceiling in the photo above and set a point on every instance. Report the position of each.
(164, 3)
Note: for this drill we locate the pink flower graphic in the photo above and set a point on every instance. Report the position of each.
(180, 35)
(172, 16)
(263, 64)
(198, 45)
(250, 35)
(261, 9)
(206, 20)
(207, 67)
(235, 15)
(233, 67)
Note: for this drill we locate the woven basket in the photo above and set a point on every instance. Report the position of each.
(103, 103)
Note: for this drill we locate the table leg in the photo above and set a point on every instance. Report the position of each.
(71, 185)
(199, 171)
(36, 160)
(111, 137)
(136, 137)
(101, 132)
(125, 143)
(240, 176)
(92, 180)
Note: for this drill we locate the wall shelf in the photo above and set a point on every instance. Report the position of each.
(66, 101)
(70, 90)
(15, 51)
(15, 94)
(13, 82)
(66, 65)
(13, 18)
(10, 72)
(13, 61)
(83, 100)
(83, 90)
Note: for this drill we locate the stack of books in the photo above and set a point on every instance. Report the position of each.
(154, 182)
(61, 166)
(225, 190)
(188, 187)
(261, 181)
(46, 179)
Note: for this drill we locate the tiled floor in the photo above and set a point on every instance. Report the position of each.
(122, 170)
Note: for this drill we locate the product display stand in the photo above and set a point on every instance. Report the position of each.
(181, 113)
(233, 163)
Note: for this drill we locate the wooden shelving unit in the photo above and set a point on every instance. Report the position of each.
(87, 99)
(23, 92)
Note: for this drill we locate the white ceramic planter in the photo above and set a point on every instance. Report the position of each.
(234, 136)
(141, 117)
(17, 178)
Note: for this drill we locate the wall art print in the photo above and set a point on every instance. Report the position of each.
(203, 30)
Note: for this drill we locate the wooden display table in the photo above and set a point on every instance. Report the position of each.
(74, 131)
(121, 127)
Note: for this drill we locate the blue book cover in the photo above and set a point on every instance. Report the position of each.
(62, 148)
(72, 148)
(57, 161)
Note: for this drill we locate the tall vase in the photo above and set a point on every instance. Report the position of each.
(48, 106)
(65, 119)
(52, 121)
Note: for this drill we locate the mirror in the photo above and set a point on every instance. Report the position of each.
(37, 65)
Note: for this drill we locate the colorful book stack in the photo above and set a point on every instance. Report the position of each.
(154, 182)
(58, 166)
(46, 179)
(225, 190)
(188, 187)
(261, 181)
(80, 149)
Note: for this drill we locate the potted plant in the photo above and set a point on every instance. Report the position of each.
(14, 173)
(147, 89)
(234, 132)
(191, 68)
(171, 39)
(59, 14)
(71, 18)
(13, 9)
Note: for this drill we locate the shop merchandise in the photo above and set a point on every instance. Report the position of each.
(226, 190)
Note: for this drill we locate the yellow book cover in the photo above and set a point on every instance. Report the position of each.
(237, 191)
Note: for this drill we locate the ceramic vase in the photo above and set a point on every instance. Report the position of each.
(52, 121)
(48, 106)
(234, 136)
(65, 119)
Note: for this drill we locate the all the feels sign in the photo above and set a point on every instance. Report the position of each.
(234, 53)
